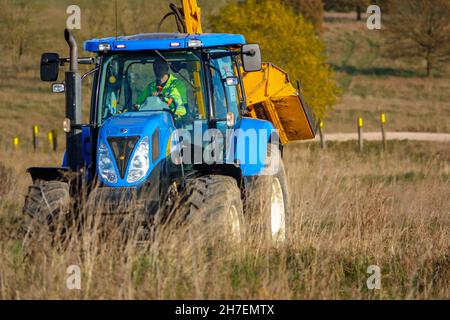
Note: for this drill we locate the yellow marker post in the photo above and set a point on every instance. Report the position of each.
(383, 131)
(16, 143)
(360, 134)
(360, 122)
(52, 140)
(35, 137)
(322, 137)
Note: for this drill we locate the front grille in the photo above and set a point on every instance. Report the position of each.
(114, 200)
(122, 148)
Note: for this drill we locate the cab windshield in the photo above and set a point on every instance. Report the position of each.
(131, 83)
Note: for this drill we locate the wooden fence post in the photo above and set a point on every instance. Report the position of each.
(35, 137)
(383, 131)
(360, 134)
(53, 140)
(323, 143)
(16, 143)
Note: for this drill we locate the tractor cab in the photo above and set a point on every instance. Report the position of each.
(203, 76)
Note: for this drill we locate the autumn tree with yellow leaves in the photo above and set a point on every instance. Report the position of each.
(288, 41)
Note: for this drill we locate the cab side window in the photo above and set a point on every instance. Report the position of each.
(224, 95)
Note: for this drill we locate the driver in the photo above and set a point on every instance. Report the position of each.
(167, 87)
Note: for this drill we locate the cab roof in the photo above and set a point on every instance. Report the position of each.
(163, 41)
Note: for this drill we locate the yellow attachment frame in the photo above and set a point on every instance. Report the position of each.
(271, 96)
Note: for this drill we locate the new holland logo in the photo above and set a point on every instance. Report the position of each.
(124, 130)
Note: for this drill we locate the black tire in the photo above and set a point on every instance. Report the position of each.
(46, 207)
(212, 205)
(259, 203)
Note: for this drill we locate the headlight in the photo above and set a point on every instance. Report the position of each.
(140, 163)
(105, 165)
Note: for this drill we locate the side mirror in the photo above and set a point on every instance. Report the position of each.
(49, 67)
(251, 58)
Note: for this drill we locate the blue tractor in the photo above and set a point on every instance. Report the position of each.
(190, 150)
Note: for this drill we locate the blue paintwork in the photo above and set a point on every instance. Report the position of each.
(251, 145)
(141, 124)
(86, 137)
(164, 41)
(64, 161)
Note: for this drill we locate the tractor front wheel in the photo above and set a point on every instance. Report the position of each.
(212, 207)
(45, 209)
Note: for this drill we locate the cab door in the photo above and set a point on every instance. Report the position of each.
(226, 99)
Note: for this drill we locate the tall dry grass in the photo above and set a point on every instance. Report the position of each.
(349, 211)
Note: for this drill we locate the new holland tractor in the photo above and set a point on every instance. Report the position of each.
(187, 121)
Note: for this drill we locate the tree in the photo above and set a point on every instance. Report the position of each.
(420, 29)
(287, 40)
(349, 5)
(312, 10)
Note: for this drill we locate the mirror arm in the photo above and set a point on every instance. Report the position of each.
(84, 60)
(218, 55)
(87, 74)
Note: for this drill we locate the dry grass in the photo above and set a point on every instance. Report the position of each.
(349, 211)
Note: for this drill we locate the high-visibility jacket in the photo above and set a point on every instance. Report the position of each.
(173, 93)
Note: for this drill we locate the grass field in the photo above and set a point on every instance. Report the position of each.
(350, 210)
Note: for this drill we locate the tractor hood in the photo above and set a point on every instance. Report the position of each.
(131, 145)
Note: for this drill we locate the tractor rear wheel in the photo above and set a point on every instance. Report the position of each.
(45, 209)
(267, 206)
(212, 206)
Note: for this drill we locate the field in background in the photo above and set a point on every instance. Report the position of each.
(373, 84)
(350, 211)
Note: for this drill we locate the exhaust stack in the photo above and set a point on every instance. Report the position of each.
(70, 39)
(74, 151)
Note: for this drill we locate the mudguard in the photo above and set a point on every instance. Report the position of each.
(48, 173)
(251, 139)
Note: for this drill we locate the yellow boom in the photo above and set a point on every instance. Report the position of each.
(192, 16)
(269, 92)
